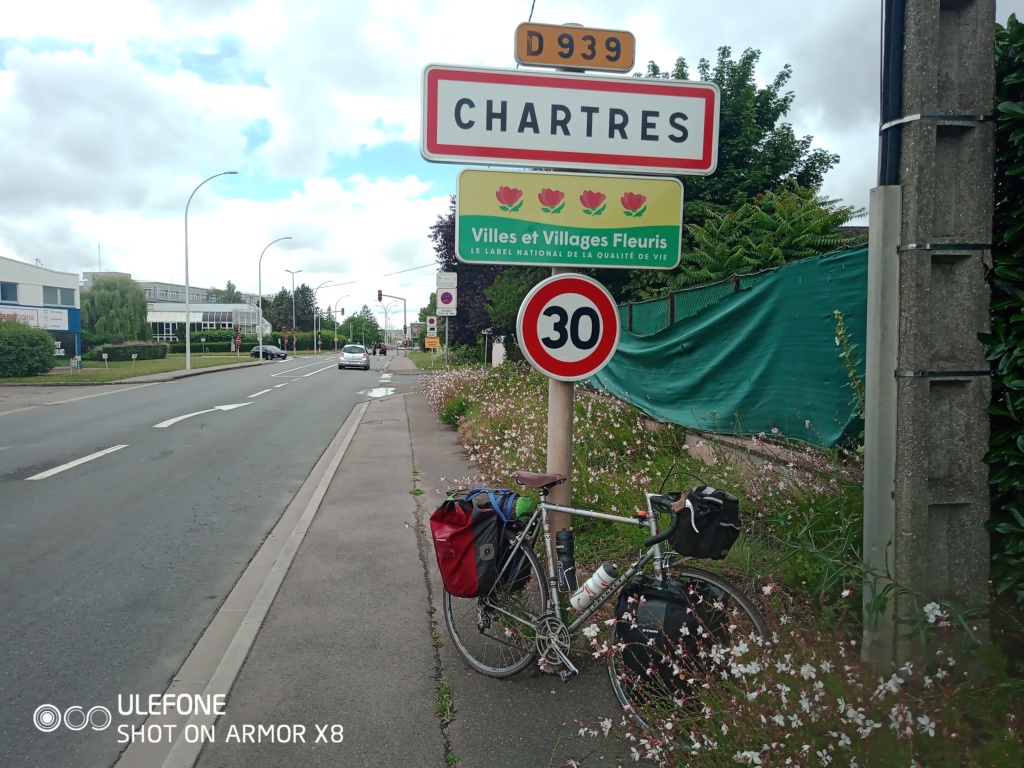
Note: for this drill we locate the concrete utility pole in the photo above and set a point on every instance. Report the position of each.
(926, 494)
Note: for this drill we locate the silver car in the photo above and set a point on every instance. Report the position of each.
(354, 356)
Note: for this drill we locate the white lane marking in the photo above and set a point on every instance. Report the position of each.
(75, 463)
(385, 377)
(311, 373)
(169, 422)
(261, 393)
(285, 384)
(103, 394)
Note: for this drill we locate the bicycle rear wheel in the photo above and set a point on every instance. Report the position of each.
(723, 626)
(496, 633)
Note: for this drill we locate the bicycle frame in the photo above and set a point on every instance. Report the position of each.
(530, 533)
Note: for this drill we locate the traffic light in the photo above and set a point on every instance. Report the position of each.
(342, 311)
(380, 295)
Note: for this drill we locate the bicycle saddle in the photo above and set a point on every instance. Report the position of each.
(538, 480)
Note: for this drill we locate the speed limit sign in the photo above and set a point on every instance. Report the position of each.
(568, 327)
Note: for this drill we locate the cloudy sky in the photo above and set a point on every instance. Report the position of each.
(112, 111)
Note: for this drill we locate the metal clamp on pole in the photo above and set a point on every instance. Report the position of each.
(945, 247)
(903, 373)
(943, 118)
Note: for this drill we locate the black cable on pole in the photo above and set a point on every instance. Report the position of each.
(889, 147)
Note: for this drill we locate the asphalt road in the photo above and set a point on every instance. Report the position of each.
(113, 567)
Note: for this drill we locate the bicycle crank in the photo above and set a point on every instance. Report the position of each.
(553, 644)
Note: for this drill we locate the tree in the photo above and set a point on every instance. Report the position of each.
(757, 150)
(504, 297)
(775, 228)
(305, 306)
(229, 295)
(757, 153)
(116, 307)
(278, 311)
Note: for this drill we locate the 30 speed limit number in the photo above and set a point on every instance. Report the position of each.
(568, 327)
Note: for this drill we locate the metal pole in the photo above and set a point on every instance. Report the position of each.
(259, 284)
(295, 342)
(188, 290)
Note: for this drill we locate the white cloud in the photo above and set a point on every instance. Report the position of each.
(111, 112)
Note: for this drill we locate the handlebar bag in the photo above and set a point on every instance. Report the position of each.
(709, 525)
(465, 540)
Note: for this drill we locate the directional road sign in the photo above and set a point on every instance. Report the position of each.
(560, 120)
(568, 327)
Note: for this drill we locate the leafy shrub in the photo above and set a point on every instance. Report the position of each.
(454, 410)
(123, 352)
(1006, 341)
(24, 351)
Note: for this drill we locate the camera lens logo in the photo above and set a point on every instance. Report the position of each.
(48, 718)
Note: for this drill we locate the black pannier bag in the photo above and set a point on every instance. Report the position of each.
(709, 525)
(655, 618)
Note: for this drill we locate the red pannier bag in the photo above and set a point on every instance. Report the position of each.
(466, 545)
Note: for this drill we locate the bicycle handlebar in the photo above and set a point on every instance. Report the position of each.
(664, 502)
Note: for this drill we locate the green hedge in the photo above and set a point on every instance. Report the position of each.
(1006, 341)
(119, 353)
(24, 351)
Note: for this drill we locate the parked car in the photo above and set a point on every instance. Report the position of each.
(354, 356)
(268, 352)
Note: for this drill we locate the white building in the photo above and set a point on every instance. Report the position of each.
(43, 298)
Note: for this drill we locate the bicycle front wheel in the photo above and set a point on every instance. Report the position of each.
(655, 679)
(497, 633)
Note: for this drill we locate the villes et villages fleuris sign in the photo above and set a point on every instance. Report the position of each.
(568, 219)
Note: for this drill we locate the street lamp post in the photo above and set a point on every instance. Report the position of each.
(259, 283)
(295, 343)
(316, 312)
(188, 289)
(405, 317)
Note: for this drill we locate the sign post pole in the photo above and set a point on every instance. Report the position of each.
(560, 399)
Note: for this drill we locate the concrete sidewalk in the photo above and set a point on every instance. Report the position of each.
(354, 647)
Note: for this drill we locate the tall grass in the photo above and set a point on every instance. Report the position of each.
(805, 699)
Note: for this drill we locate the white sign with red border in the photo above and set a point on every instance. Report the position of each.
(568, 327)
(558, 120)
(447, 302)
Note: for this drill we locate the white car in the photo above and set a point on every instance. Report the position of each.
(354, 356)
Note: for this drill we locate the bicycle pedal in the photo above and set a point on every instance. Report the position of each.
(567, 674)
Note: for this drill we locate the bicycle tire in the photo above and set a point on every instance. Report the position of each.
(643, 698)
(514, 607)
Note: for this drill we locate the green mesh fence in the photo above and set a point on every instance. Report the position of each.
(644, 318)
(760, 359)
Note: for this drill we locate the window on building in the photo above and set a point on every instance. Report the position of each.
(64, 297)
(8, 291)
(163, 293)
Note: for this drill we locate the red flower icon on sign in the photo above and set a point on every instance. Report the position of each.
(509, 199)
(593, 202)
(634, 204)
(551, 200)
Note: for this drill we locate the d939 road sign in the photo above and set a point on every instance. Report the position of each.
(553, 45)
(568, 327)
